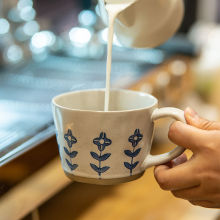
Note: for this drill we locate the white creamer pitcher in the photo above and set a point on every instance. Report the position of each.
(145, 23)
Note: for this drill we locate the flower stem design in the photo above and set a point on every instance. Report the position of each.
(134, 140)
(71, 140)
(102, 142)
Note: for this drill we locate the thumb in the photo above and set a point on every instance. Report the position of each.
(192, 118)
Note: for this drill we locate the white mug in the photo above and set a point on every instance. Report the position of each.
(108, 147)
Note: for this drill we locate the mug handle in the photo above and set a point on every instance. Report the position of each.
(176, 114)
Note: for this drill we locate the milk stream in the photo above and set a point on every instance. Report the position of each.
(113, 10)
(111, 17)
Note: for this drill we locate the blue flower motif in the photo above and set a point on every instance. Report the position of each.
(135, 138)
(102, 141)
(70, 139)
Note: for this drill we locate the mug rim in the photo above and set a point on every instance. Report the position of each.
(54, 103)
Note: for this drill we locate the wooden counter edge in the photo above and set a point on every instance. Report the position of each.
(34, 191)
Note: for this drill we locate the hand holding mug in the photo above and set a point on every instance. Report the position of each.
(197, 179)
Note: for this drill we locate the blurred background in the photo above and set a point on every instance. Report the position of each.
(49, 47)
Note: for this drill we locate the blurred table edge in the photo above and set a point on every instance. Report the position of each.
(28, 145)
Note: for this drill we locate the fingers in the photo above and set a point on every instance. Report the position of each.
(179, 177)
(205, 204)
(195, 120)
(179, 160)
(188, 136)
(191, 194)
(196, 196)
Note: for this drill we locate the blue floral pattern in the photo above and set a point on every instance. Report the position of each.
(134, 140)
(71, 140)
(101, 142)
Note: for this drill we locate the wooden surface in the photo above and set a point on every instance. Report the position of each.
(33, 191)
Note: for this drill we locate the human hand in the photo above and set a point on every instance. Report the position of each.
(197, 179)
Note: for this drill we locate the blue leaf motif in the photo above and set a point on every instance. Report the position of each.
(132, 154)
(66, 151)
(94, 167)
(104, 157)
(71, 166)
(101, 142)
(136, 152)
(103, 169)
(95, 155)
(99, 170)
(70, 154)
(135, 164)
(100, 158)
(73, 154)
(134, 139)
(128, 153)
(128, 165)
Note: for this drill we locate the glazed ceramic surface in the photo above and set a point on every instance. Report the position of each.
(145, 23)
(108, 147)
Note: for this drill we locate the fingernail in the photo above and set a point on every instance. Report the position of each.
(175, 162)
(191, 112)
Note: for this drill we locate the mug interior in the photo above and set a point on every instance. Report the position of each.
(93, 100)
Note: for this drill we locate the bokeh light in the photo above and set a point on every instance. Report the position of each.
(4, 26)
(87, 18)
(24, 3)
(27, 13)
(31, 27)
(13, 54)
(43, 39)
(14, 15)
(103, 35)
(80, 36)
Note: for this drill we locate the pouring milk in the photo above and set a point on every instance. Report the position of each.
(140, 24)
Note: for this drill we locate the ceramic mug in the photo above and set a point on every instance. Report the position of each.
(108, 147)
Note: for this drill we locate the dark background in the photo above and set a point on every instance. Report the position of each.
(63, 13)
